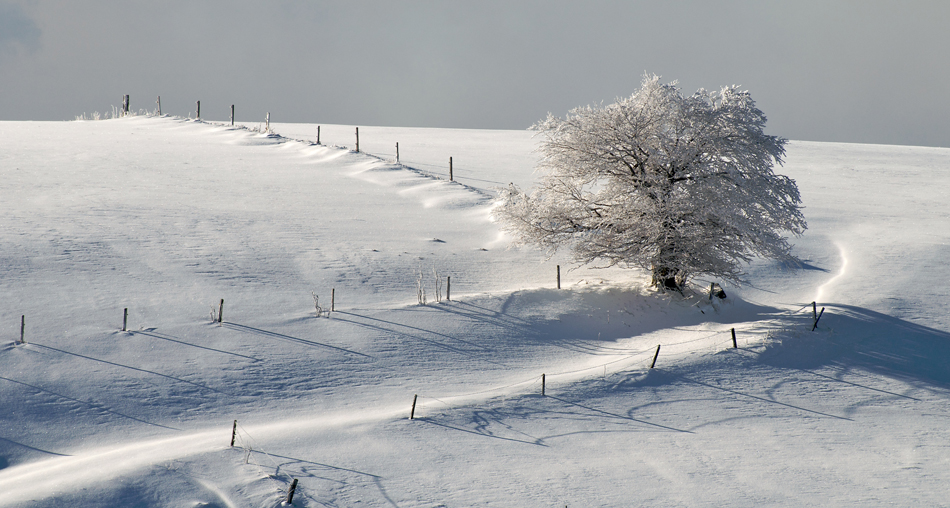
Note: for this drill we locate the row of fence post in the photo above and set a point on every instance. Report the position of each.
(656, 355)
(158, 101)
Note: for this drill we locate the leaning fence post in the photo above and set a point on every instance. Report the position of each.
(734, 345)
(221, 311)
(655, 356)
(817, 318)
(290, 493)
(125, 318)
(412, 414)
(233, 432)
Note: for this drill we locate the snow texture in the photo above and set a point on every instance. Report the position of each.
(167, 217)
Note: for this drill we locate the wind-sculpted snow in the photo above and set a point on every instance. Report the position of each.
(166, 217)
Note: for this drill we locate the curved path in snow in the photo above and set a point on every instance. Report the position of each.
(830, 282)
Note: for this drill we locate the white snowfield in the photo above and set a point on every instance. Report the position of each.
(166, 217)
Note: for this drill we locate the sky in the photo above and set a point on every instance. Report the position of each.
(866, 71)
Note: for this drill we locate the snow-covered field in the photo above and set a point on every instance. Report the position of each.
(166, 217)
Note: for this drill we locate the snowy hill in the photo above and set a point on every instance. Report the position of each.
(166, 217)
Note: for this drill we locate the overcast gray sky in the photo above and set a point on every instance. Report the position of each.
(858, 71)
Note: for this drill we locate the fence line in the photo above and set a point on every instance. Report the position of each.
(536, 379)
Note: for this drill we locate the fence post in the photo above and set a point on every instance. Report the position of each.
(22, 328)
(357, 139)
(318, 134)
(734, 345)
(159, 102)
(451, 178)
(233, 432)
(814, 310)
(232, 114)
(655, 356)
(817, 318)
(290, 493)
(198, 111)
(559, 276)
(412, 414)
(542, 384)
(397, 152)
(267, 122)
(333, 300)
(221, 311)
(448, 288)
(125, 318)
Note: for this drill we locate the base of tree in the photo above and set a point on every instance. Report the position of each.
(666, 278)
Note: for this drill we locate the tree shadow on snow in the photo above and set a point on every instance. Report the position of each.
(587, 320)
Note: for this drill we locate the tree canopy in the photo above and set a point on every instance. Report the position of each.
(676, 185)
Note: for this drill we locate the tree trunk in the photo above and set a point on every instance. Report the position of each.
(667, 278)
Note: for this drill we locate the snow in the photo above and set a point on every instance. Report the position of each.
(166, 217)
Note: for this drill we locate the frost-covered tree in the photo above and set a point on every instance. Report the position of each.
(676, 185)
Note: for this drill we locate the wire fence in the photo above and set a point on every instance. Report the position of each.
(637, 359)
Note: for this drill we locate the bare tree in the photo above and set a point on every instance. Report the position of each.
(676, 185)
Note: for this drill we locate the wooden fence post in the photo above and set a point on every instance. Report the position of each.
(125, 318)
(232, 114)
(221, 311)
(412, 414)
(655, 356)
(559, 276)
(543, 382)
(451, 178)
(159, 103)
(233, 432)
(734, 345)
(397, 153)
(357, 139)
(333, 300)
(318, 134)
(817, 318)
(290, 493)
(814, 310)
(198, 110)
(22, 328)
(448, 288)
(267, 122)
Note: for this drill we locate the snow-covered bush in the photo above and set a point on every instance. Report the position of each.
(676, 185)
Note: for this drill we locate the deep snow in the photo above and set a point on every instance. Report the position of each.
(167, 216)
